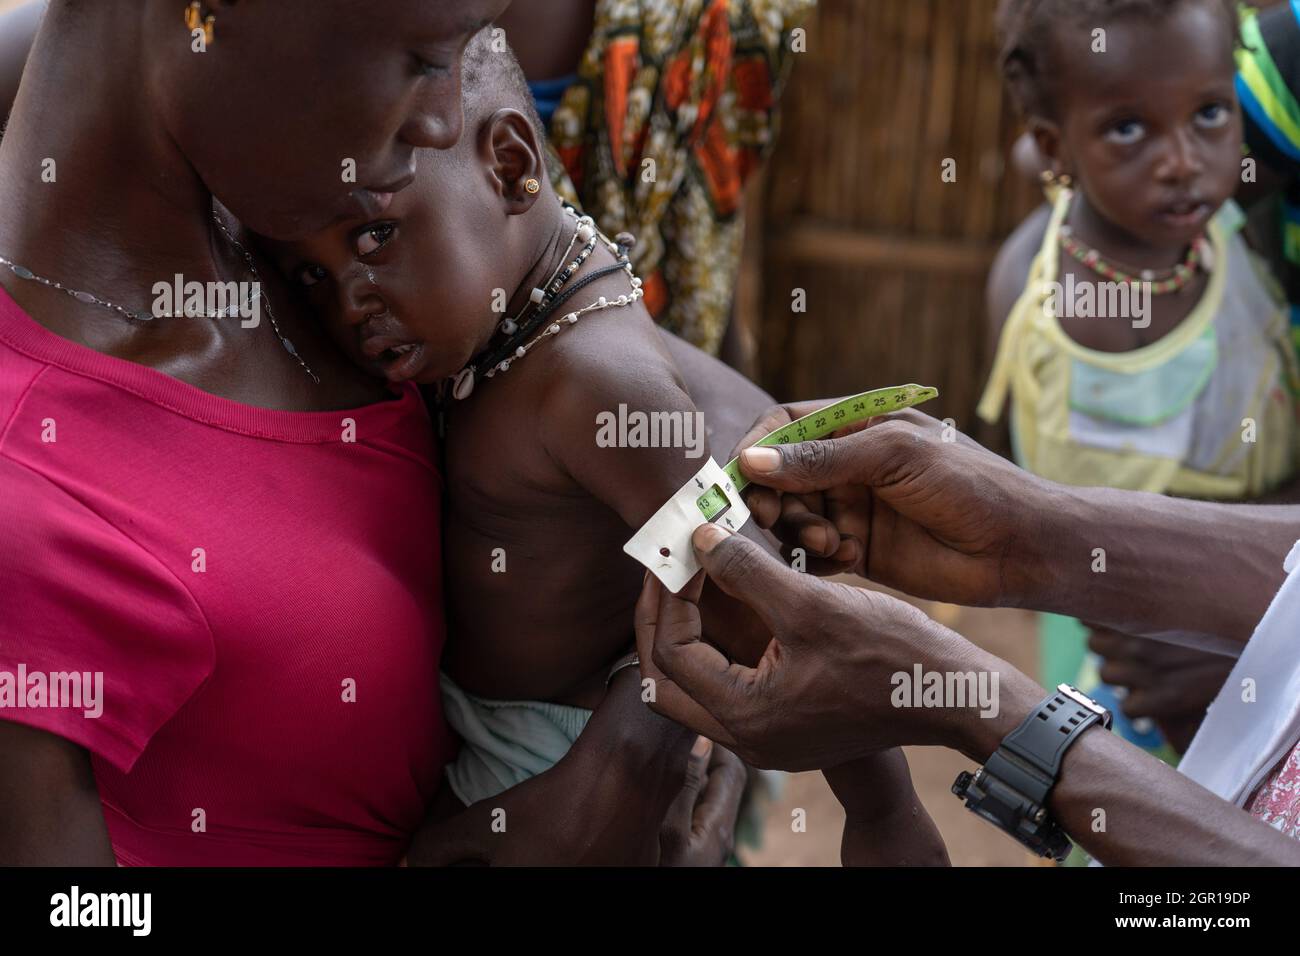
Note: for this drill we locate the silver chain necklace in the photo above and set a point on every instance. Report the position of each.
(89, 298)
(257, 277)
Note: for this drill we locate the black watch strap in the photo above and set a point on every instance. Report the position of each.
(1011, 789)
(1029, 758)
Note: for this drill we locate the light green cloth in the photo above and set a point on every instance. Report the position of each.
(1150, 397)
(505, 741)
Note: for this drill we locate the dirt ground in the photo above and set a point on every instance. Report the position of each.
(971, 842)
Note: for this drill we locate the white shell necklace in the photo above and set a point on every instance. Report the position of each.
(525, 334)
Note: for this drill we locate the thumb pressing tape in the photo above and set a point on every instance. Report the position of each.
(664, 542)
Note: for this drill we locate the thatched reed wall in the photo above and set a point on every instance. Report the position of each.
(856, 213)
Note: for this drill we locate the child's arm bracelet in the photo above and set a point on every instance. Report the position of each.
(629, 660)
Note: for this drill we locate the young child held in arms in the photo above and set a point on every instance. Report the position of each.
(1143, 345)
(443, 290)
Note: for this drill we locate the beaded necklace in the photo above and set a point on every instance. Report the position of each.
(1173, 280)
(532, 326)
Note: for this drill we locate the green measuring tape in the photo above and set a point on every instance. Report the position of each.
(819, 424)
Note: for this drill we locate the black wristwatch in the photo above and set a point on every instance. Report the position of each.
(1010, 791)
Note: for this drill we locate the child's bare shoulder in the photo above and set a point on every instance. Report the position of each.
(619, 357)
(1011, 267)
(606, 381)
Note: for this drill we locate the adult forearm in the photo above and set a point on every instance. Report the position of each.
(603, 803)
(1127, 808)
(50, 811)
(1147, 564)
(639, 757)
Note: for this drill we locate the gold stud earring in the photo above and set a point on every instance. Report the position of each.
(532, 186)
(195, 20)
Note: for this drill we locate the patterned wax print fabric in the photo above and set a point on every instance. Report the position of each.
(674, 108)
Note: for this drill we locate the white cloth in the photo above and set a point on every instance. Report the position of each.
(1241, 741)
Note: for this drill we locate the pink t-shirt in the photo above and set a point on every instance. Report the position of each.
(261, 597)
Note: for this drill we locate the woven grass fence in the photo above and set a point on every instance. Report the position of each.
(890, 258)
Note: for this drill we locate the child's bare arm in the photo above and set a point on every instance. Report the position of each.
(887, 824)
(636, 481)
(599, 418)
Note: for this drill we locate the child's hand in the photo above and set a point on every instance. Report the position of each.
(886, 823)
(544, 821)
(555, 819)
(700, 828)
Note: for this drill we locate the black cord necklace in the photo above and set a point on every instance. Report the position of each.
(548, 300)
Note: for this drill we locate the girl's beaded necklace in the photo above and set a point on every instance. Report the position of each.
(1174, 280)
(1199, 258)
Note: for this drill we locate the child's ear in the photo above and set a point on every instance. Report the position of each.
(1047, 137)
(515, 165)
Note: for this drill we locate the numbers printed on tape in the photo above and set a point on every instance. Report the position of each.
(716, 500)
(663, 544)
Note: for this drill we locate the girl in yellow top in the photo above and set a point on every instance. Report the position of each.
(1140, 346)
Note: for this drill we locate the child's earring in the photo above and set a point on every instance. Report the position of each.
(195, 20)
(532, 186)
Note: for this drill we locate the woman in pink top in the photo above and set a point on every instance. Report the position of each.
(219, 614)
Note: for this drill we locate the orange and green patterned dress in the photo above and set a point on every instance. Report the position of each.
(673, 109)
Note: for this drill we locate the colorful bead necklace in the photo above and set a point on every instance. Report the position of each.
(1198, 258)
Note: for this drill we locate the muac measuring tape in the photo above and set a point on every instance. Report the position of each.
(663, 545)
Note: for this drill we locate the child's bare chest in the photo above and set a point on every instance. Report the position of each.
(539, 592)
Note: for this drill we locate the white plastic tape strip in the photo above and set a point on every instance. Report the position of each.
(663, 544)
